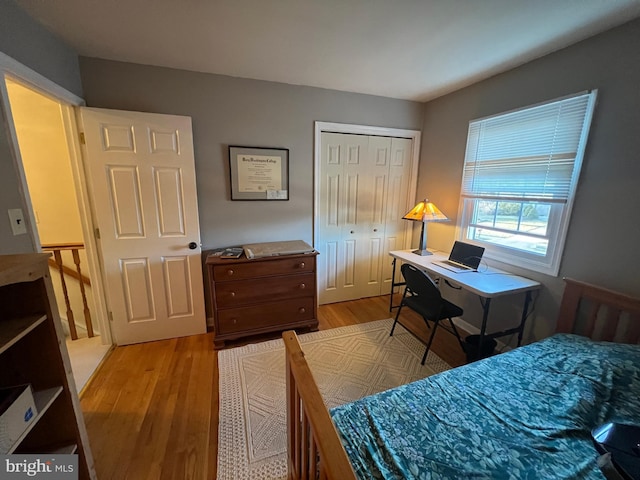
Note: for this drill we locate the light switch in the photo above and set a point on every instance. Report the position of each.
(18, 224)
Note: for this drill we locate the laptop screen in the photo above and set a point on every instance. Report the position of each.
(466, 254)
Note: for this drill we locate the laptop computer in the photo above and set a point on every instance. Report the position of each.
(464, 257)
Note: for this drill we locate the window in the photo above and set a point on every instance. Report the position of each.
(521, 169)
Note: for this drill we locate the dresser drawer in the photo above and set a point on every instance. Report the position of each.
(258, 290)
(264, 268)
(265, 315)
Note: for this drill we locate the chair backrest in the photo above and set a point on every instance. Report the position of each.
(421, 284)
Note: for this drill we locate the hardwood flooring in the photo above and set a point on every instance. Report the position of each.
(152, 409)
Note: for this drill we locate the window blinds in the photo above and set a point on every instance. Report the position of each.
(528, 154)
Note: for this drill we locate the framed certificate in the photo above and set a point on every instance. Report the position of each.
(259, 173)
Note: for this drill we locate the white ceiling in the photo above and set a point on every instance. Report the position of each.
(409, 49)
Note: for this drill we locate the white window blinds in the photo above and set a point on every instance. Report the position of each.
(529, 154)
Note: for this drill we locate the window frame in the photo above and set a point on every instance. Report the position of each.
(559, 215)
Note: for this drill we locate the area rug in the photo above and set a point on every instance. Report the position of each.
(348, 363)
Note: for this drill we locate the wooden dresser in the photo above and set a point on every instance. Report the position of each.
(262, 295)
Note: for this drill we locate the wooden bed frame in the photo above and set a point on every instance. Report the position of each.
(314, 447)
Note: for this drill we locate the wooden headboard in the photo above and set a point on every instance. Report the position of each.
(315, 450)
(598, 313)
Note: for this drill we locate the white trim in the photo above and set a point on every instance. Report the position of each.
(10, 68)
(19, 165)
(38, 82)
(320, 127)
(86, 219)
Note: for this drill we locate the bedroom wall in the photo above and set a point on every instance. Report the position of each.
(27, 42)
(233, 111)
(604, 232)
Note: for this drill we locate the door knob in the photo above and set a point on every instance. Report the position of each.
(193, 245)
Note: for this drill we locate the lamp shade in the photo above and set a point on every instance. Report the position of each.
(425, 211)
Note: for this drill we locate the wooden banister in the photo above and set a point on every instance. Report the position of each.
(64, 271)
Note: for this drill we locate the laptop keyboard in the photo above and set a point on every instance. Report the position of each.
(457, 265)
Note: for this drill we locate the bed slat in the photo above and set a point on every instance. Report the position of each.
(611, 324)
(633, 331)
(593, 318)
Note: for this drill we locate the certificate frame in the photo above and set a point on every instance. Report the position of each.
(259, 173)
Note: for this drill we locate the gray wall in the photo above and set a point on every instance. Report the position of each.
(604, 233)
(28, 43)
(232, 111)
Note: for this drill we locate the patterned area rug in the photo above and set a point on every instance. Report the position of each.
(348, 363)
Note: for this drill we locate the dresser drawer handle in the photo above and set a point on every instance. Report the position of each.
(234, 321)
(301, 264)
(229, 272)
(233, 294)
(302, 310)
(302, 286)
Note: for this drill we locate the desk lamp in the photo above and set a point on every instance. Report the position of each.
(424, 212)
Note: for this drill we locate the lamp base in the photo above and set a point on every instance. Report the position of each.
(422, 253)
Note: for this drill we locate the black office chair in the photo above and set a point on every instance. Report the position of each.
(422, 295)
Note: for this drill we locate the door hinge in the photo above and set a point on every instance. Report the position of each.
(98, 233)
(82, 139)
(110, 316)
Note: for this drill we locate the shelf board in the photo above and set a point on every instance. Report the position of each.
(66, 450)
(43, 400)
(13, 329)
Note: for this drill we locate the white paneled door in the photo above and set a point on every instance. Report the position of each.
(364, 192)
(141, 175)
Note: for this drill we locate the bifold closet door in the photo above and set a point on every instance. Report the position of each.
(363, 185)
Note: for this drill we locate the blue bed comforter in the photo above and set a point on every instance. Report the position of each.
(525, 414)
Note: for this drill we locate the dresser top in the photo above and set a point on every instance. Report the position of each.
(216, 260)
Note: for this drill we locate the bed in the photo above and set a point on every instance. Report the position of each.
(527, 413)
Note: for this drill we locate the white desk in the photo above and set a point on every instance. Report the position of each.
(487, 283)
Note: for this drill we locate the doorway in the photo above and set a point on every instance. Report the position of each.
(56, 211)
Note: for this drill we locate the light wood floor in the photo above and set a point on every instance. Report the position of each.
(152, 409)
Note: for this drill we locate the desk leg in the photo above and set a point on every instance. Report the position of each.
(483, 329)
(393, 285)
(525, 313)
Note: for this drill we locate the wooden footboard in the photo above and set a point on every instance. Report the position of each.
(314, 448)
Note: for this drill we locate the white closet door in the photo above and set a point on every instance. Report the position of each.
(364, 183)
(398, 203)
(341, 220)
(374, 203)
